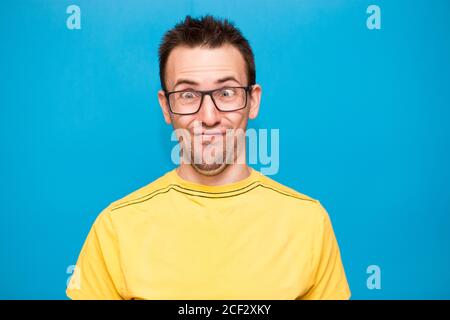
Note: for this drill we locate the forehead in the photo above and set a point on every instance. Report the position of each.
(205, 65)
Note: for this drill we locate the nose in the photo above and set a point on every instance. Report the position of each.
(208, 112)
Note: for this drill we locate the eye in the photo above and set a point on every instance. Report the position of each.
(227, 93)
(188, 95)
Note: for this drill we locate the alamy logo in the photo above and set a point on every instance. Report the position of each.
(374, 280)
(74, 281)
(74, 20)
(373, 22)
(199, 145)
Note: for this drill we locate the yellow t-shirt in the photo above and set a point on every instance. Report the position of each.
(174, 239)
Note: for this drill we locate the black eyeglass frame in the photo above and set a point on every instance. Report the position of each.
(209, 93)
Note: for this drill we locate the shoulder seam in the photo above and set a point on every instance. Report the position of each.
(275, 186)
(289, 194)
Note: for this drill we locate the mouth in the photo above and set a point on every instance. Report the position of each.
(210, 136)
(214, 132)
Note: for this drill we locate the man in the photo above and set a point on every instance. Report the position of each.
(213, 228)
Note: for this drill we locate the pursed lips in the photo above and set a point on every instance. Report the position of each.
(208, 136)
(213, 132)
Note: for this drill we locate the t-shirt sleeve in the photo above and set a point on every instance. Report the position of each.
(97, 274)
(329, 282)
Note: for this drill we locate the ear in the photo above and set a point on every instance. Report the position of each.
(164, 106)
(254, 100)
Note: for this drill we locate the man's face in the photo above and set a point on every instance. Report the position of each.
(203, 68)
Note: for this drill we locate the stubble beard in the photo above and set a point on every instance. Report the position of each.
(216, 165)
(212, 157)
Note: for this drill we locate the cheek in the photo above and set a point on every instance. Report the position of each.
(237, 119)
(182, 122)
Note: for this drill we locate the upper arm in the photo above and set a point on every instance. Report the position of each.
(98, 274)
(329, 281)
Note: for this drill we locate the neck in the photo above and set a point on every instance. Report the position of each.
(232, 173)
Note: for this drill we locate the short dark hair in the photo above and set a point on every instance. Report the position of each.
(205, 31)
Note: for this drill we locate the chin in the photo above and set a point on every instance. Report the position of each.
(209, 169)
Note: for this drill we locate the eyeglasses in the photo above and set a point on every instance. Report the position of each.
(226, 99)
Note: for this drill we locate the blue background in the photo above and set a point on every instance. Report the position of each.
(363, 118)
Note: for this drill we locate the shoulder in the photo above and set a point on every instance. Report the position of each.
(271, 184)
(158, 185)
(292, 200)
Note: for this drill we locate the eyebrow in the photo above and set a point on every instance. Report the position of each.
(194, 83)
(225, 79)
